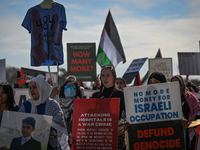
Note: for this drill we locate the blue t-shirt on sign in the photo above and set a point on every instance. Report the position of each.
(46, 29)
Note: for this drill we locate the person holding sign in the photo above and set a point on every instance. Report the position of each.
(108, 90)
(41, 103)
(7, 101)
(191, 110)
(69, 91)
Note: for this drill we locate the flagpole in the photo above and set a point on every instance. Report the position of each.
(49, 71)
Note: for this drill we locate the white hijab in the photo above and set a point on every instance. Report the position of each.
(44, 90)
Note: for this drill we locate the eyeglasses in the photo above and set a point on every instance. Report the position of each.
(73, 87)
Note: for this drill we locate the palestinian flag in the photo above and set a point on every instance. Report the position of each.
(145, 78)
(110, 49)
(137, 81)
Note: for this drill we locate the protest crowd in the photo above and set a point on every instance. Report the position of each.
(42, 102)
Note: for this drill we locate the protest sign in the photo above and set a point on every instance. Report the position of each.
(163, 65)
(154, 113)
(33, 73)
(81, 61)
(13, 125)
(95, 123)
(133, 69)
(21, 94)
(189, 63)
(3, 70)
(28, 74)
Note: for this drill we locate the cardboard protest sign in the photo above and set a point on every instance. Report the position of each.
(21, 94)
(189, 63)
(154, 113)
(3, 70)
(133, 69)
(15, 124)
(95, 123)
(81, 61)
(163, 65)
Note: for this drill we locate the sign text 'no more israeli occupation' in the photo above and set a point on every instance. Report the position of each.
(155, 113)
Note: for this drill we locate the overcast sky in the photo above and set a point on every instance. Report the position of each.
(144, 26)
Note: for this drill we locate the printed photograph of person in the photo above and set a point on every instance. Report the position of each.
(26, 141)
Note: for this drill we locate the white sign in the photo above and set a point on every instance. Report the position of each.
(163, 65)
(189, 63)
(3, 70)
(20, 95)
(153, 103)
(12, 127)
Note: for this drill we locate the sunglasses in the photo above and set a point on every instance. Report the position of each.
(73, 87)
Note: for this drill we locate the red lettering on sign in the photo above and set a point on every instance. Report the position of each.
(156, 132)
(81, 61)
(81, 68)
(163, 144)
(81, 54)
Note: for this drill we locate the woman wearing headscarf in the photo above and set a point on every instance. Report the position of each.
(41, 103)
(156, 77)
(190, 108)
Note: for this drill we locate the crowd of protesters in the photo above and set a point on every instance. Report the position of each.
(108, 85)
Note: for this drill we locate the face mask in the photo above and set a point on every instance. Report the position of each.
(69, 93)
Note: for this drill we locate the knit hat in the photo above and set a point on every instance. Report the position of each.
(158, 76)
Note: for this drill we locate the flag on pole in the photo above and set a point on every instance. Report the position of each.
(137, 81)
(145, 78)
(110, 49)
